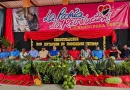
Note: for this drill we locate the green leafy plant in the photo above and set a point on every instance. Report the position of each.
(27, 68)
(3, 68)
(126, 66)
(46, 79)
(5, 42)
(83, 68)
(56, 70)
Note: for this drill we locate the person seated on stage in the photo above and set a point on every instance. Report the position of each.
(114, 52)
(98, 53)
(43, 53)
(23, 54)
(33, 52)
(64, 52)
(54, 52)
(125, 52)
(14, 54)
(85, 53)
(74, 54)
(4, 54)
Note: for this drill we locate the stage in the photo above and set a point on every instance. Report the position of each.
(55, 87)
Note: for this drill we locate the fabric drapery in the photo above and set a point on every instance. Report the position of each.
(8, 27)
(42, 35)
(87, 34)
(90, 34)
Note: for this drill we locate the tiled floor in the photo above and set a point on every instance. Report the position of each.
(55, 87)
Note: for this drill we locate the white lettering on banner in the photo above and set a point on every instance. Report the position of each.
(77, 18)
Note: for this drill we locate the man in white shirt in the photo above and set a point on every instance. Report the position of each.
(23, 53)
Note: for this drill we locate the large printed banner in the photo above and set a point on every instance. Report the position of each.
(72, 17)
(84, 16)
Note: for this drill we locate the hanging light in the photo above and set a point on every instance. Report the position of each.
(109, 0)
(65, 2)
(26, 3)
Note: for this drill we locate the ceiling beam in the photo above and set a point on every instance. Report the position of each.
(33, 3)
(9, 0)
(2, 5)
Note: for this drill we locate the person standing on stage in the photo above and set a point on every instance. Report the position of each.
(98, 53)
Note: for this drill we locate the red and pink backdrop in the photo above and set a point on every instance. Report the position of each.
(84, 16)
(86, 21)
(73, 17)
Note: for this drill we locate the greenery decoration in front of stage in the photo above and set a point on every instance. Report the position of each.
(69, 73)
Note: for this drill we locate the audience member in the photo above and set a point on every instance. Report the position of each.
(33, 53)
(98, 53)
(23, 54)
(43, 53)
(14, 54)
(114, 52)
(74, 54)
(4, 54)
(85, 53)
(125, 52)
(54, 52)
(64, 52)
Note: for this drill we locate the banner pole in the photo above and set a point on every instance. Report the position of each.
(104, 43)
(31, 43)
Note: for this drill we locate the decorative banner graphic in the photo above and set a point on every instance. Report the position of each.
(84, 16)
(25, 21)
(69, 41)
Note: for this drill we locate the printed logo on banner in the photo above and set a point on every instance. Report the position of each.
(77, 18)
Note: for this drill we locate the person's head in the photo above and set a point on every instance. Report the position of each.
(30, 16)
(54, 47)
(73, 48)
(113, 47)
(125, 47)
(64, 47)
(86, 47)
(43, 48)
(14, 48)
(4, 49)
(97, 47)
(23, 50)
(32, 48)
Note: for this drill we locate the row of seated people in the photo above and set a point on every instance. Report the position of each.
(73, 54)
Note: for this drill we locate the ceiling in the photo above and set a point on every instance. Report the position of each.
(36, 3)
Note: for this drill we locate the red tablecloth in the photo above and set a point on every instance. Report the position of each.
(81, 80)
(23, 80)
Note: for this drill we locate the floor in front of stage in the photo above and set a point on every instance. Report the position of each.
(56, 87)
